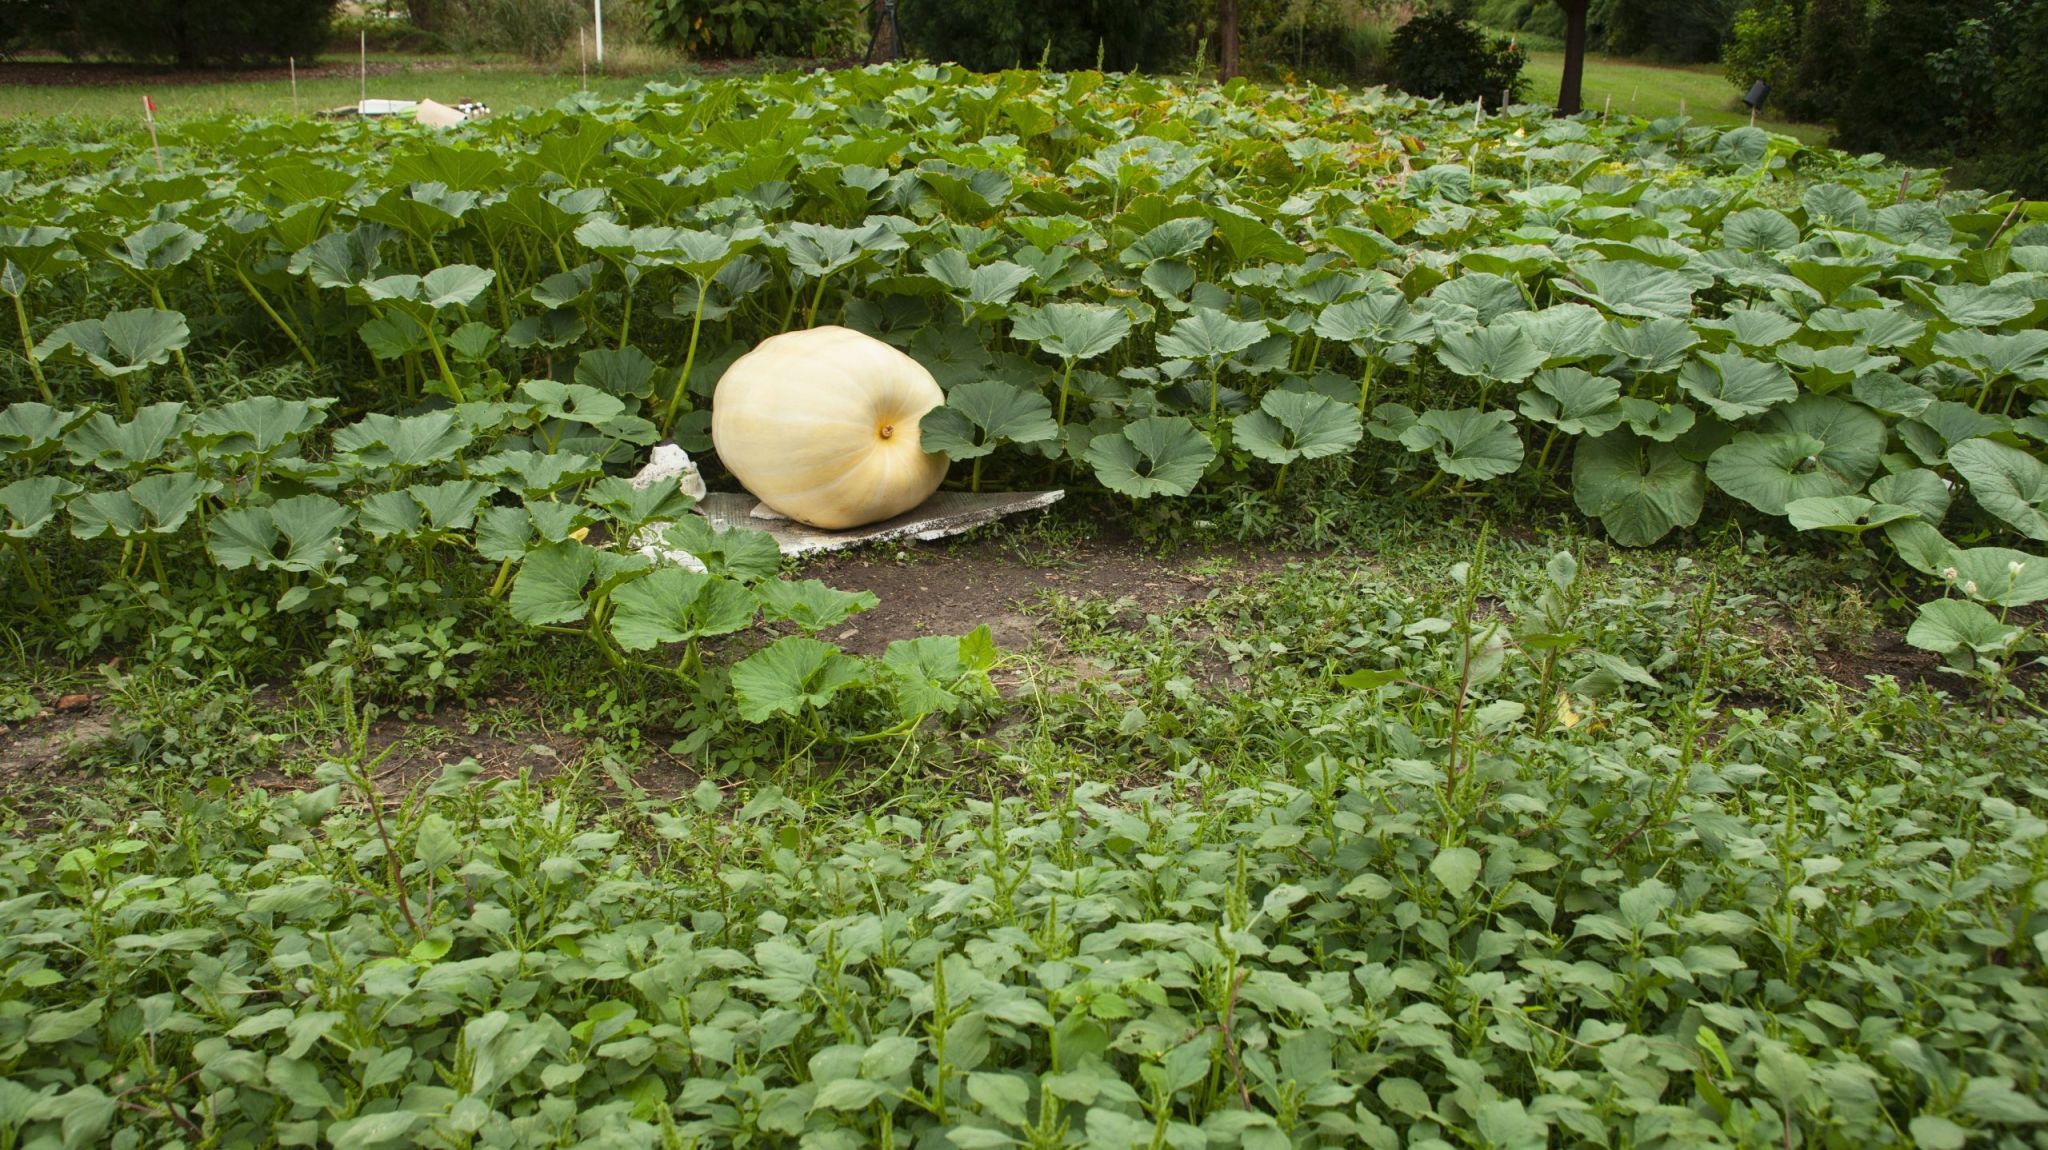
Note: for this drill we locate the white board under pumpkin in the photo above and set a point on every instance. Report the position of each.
(822, 426)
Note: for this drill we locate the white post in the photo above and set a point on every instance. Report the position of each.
(597, 7)
(583, 58)
(363, 67)
(294, 62)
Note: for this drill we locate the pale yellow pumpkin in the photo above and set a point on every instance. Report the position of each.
(821, 426)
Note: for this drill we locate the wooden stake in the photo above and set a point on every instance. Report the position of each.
(1606, 107)
(363, 67)
(583, 58)
(149, 117)
(293, 61)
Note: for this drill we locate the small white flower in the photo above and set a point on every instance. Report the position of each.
(2014, 568)
(1948, 574)
(1970, 588)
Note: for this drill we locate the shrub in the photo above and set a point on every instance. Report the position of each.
(1328, 40)
(193, 33)
(731, 29)
(1682, 31)
(1439, 55)
(534, 29)
(988, 35)
(1901, 101)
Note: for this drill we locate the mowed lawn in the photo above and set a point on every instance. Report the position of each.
(1648, 89)
(1654, 90)
(504, 85)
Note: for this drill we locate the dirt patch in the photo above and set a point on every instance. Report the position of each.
(950, 589)
(32, 750)
(1887, 654)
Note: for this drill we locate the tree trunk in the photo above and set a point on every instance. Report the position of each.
(422, 14)
(1568, 98)
(1226, 38)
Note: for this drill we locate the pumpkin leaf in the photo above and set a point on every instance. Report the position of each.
(1156, 455)
(1073, 331)
(1734, 385)
(2000, 576)
(2007, 482)
(1577, 402)
(811, 604)
(1638, 488)
(673, 605)
(1291, 425)
(790, 675)
(1467, 442)
(978, 417)
(123, 343)
(1948, 626)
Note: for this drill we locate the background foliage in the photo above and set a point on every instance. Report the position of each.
(188, 33)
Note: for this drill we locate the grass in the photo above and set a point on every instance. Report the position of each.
(1659, 90)
(1650, 89)
(502, 84)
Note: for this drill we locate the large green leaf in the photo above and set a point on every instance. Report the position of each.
(300, 534)
(258, 426)
(1632, 288)
(385, 441)
(151, 506)
(1654, 346)
(1734, 385)
(2000, 576)
(671, 605)
(627, 372)
(1157, 455)
(1075, 331)
(30, 504)
(124, 343)
(811, 604)
(1375, 324)
(551, 584)
(110, 445)
(978, 417)
(790, 675)
(2007, 482)
(1209, 337)
(1953, 626)
(1638, 488)
(988, 287)
(1917, 489)
(1767, 470)
(1499, 353)
(30, 432)
(1846, 514)
(1577, 402)
(1291, 425)
(1467, 442)
(748, 556)
(1853, 436)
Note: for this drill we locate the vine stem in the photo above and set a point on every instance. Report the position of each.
(178, 354)
(28, 350)
(275, 318)
(675, 401)
(1060, 417)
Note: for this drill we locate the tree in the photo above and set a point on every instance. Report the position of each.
(1226, 36)
(1568, 88)
(424, 14)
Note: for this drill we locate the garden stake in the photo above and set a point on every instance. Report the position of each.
(149, 117)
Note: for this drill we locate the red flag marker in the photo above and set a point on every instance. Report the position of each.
(149, 117)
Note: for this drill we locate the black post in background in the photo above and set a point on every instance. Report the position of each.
(887, 42)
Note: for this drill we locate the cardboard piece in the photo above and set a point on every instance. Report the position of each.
(946, 513)
(434, 114)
